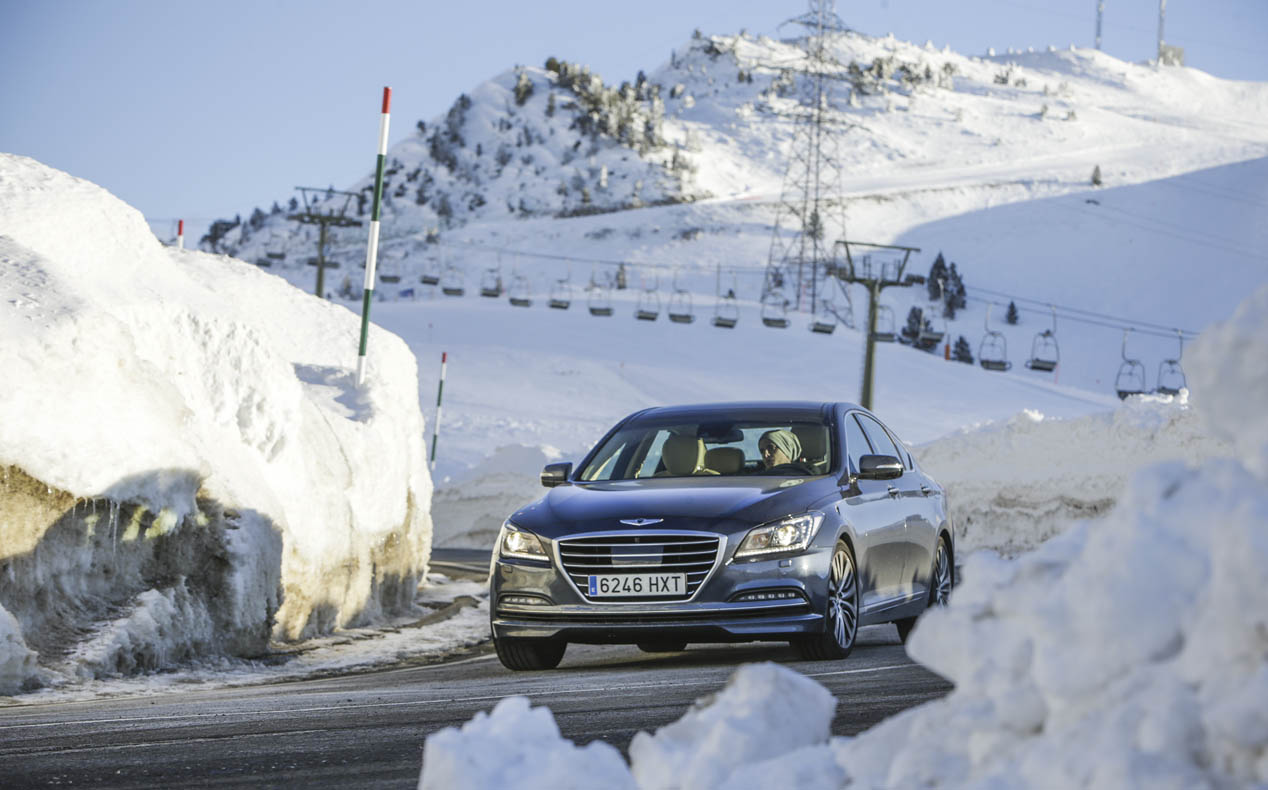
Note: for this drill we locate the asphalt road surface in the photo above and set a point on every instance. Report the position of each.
(367, 730)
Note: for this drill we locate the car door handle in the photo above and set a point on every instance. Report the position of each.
(926, 490)
(893, 492)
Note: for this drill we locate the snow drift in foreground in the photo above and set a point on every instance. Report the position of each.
(183, 448)
(1129, 652)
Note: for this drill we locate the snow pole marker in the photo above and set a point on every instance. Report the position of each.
(372, 247)
(435, 426)
(180, 234)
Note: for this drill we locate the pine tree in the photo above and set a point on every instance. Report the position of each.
(915, 321)
(1096, 176)
(963, 352)
(1012, 316)
(936, 282)
(956, 294)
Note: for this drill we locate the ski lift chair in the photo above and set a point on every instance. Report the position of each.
(775, 310)
(823, 321)
(1171, 377)
(391, 276)
(884, 325)
(491, 283)
(561, 295)
(680, 307)
(992, 353)
(451, 281)
(1044, 352)
(726, 313)
(1130, 379)
(599, 300)
(520, 293)
(648, 308)
(431, 273)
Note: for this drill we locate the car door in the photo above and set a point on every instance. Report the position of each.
(910, 501)
(922, 524)
(878, 519)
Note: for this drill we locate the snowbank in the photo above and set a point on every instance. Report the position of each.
(1013, 485)
(518, 746)
(764, 712)
(766, 728)
(184, 452)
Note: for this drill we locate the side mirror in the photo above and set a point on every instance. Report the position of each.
(556, 475)
(880, 467)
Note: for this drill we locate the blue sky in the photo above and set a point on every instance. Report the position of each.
(204, 110)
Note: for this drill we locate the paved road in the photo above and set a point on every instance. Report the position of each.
(367, 730)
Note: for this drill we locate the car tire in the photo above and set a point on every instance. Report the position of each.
(941, 581)
(530, 654)
(841, 615)
(662, 647)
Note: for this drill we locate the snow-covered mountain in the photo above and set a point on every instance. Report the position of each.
(546, 179)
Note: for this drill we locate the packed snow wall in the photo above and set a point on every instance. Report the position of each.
(189, 466)
(1014, 484)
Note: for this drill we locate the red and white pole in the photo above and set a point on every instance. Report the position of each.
(180, 234)
(435, 426)
(372, 249)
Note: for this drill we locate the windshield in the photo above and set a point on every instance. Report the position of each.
(714, 448)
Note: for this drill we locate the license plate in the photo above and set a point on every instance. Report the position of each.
(633, 584)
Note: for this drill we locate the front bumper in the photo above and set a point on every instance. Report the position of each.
(712, 614)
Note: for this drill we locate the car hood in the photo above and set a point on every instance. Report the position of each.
(724, 503)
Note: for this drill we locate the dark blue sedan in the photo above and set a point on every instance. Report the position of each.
(729, 522)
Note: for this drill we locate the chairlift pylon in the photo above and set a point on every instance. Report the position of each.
(992, 353)
(1045, 354)
(1130, 379)
(1171, 378)
(775, 310)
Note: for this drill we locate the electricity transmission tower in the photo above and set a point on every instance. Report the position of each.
(811, 211)
(333, 214)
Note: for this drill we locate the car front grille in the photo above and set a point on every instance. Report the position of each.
(692, 554)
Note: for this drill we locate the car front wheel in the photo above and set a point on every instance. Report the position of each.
(842, 614)
(529, 654)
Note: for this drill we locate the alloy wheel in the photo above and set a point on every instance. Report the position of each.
(941, 575)
(843, 606)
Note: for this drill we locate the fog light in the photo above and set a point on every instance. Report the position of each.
(524, 600)
(769, 595)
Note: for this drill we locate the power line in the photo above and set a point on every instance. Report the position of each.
(1085, 316)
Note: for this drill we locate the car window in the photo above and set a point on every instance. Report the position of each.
(604, 466)
(652, 460)
(722, 447)
(904, 454)
(879, 438)
(856, 444)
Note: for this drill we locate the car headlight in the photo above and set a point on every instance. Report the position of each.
(788, 534)
(515, 542)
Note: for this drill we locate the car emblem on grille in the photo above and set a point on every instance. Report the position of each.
(641, 522)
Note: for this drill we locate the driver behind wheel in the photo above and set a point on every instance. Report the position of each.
(778, 448)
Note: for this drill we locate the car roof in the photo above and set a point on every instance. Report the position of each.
(809, 410)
